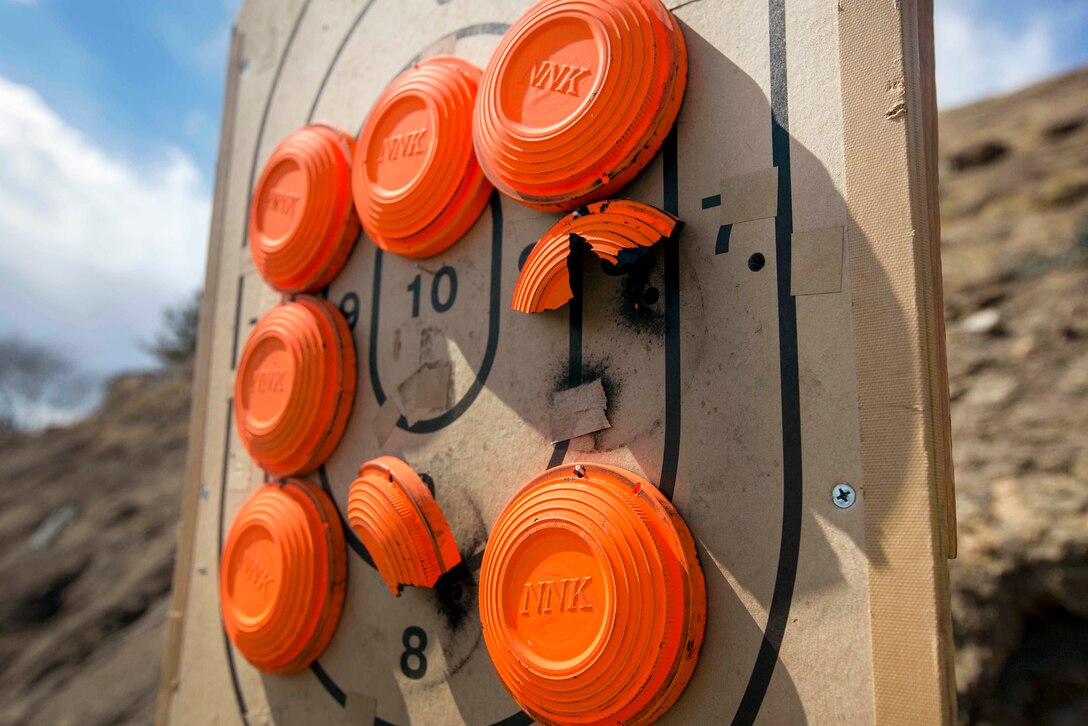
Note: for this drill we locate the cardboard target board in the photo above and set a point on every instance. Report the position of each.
(762, 369)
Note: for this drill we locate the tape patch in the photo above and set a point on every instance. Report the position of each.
(749, 196)
(817, 262)
(579, 411)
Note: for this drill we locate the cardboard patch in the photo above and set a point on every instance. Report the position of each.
(425, 392)
(749, 196)
(817, 261)
(579, 411)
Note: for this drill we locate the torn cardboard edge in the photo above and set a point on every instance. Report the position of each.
(579, 411)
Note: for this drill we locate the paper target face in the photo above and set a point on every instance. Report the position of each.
(691, 350)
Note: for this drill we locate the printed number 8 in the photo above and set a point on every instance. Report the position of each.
(416, 632)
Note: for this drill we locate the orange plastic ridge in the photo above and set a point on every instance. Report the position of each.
(295, 385)
(577, 99)
(416, 181)
(591, 598)
(399, 522)
(282, 576)
(302, 224)
(607, 227)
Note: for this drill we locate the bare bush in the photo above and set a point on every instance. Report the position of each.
(176, 341)
(38, 384)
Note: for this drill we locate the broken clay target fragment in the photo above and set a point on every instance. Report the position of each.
(591, 598)
(302, 223)
(295, 385)
(394, 514)
(283, 575)
(577, 99)
(608, 228)
(416, 181)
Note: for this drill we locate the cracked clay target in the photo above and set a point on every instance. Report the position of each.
(395, 516)
(578, 98)
(591, 598)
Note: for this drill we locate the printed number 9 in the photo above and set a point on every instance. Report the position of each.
(349, 306)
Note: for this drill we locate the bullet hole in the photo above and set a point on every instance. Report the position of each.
(428, 481)
(756, 262)
(452, 593)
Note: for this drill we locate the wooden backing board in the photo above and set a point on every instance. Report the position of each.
(746, 392)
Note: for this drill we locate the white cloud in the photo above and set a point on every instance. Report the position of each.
(978, 57)
(91, 246)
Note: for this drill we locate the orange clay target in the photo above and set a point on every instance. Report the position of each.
(282, 576)
(578, 98)
(591, 598)
(302, 224)
(295, 385)
(608, 228)
(416, 181)
(399, 522)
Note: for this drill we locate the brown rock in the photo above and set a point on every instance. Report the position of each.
(1020, 414)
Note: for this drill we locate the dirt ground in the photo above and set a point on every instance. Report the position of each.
(88, 513)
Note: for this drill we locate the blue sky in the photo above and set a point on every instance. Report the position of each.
(993, 46)
(133, 76)
(109, 115)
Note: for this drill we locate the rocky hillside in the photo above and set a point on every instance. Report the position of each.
(88, 517)
(88, 512)
(1014, 209)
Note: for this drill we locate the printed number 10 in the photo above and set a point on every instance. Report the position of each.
(441, 300)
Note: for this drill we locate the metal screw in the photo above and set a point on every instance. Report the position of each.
(580, 471)
(843, 495)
